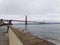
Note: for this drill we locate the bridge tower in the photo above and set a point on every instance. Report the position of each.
(10, 22)
(25, 20)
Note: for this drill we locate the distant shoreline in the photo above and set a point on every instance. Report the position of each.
(33, 24)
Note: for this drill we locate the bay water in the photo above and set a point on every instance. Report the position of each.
(50, 32)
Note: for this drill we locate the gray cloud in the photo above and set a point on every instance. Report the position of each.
(35, 9)
(28, 6)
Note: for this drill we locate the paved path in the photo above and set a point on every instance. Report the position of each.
(3, 38)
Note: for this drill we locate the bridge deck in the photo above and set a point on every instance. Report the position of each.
(3, 38)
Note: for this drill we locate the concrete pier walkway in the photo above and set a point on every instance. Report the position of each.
(3, 38)
(18, 37)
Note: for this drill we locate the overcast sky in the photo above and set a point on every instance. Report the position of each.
(48, 10)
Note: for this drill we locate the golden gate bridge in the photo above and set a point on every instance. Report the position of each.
(9, 22)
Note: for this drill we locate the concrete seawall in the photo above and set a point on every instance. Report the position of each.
(17, 37)
(13, 39)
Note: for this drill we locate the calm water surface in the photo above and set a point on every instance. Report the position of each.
(47, 31)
